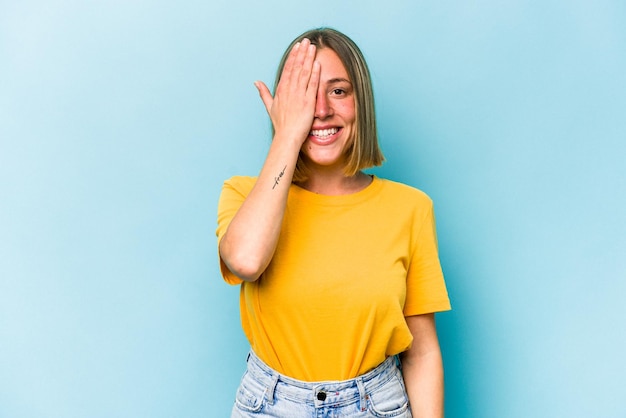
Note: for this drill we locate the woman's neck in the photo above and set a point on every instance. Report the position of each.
(334, 184)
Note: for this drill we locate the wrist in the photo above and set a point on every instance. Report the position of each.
(289, 140)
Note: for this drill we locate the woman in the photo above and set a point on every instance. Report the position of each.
(338, 269)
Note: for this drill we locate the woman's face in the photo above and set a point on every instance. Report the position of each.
(334, 120)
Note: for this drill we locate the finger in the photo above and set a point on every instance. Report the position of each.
(314, 80)
(285, 76)
(307, 67)
(265, 94)
(298, 64)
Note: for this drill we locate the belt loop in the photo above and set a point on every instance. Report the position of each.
(363, 395)
(269, 394)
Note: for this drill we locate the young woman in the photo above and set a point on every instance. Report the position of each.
(339, 270)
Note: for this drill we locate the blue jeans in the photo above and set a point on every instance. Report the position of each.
(265, 393)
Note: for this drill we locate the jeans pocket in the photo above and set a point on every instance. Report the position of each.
(250, 395)
(390, 399)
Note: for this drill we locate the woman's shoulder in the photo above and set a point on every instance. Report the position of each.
(240, 183)
(405, 191)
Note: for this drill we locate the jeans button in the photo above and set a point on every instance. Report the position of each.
(321, 396)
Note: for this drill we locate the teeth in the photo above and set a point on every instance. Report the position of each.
(323, 133)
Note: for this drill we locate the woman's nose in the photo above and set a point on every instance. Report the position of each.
(322, 106)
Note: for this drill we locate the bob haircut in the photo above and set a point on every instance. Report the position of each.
(364, 151)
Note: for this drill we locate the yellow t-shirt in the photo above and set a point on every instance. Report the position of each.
(346, 271)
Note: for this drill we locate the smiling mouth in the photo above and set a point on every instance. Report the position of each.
(324, 133)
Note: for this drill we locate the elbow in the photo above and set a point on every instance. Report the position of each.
(243, 265)
(248, 272)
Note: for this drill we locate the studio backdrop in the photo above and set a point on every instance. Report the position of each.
(120, 120)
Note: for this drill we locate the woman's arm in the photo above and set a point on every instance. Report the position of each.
(248, 245)
(422, 367)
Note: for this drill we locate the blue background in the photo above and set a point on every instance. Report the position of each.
(119, 121)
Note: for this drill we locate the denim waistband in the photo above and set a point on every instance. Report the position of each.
(322, 393)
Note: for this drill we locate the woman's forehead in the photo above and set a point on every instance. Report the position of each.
(332, 69)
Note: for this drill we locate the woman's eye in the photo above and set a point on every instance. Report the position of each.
(338, 92)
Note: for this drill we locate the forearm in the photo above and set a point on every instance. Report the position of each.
(423, 377)
(249, 243)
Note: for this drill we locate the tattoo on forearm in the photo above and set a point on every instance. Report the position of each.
(277, 179)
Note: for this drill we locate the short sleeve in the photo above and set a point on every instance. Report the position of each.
(234, 192)
(426, 288)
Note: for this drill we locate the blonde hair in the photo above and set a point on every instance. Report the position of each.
(364, 151)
